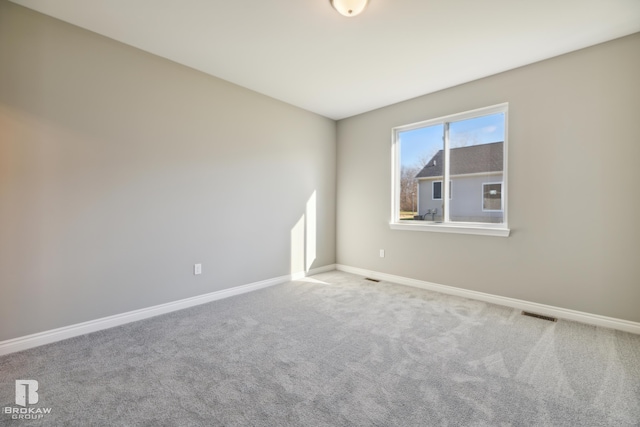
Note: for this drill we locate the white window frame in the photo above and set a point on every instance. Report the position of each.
(488, 229)
(501, 198)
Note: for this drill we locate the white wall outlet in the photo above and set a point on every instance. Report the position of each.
(197, 269)
(381, 253)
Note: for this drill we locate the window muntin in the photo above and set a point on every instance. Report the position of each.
(470, 149)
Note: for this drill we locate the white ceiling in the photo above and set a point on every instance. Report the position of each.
(304, 53)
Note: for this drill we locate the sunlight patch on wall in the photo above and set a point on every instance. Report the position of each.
(304, 238)
(310, 231)
(297, 246)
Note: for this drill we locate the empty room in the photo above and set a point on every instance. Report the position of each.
(319, 213)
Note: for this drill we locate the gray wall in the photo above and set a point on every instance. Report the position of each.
(574, 201)
(119, 170)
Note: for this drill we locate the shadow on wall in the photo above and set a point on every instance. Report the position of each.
(303, 239)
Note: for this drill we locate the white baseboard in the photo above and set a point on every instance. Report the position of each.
(563, 313)
(59, 334)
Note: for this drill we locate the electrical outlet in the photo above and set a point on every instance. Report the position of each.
(197, 269)
(381, 253)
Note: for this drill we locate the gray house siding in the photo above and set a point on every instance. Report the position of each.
(425, 199)
(466, 203)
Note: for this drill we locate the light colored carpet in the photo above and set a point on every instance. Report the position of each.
(336, 350)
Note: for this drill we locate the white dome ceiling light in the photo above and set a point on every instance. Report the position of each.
(349, 7)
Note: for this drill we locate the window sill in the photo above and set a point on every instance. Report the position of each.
(499, 230)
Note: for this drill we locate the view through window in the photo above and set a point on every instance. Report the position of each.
(464, 151)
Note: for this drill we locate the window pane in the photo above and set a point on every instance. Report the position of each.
(421, 163)
(476, 169)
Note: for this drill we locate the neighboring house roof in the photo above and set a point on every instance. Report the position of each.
(464, 160)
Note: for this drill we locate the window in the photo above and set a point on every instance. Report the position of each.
(492, 197)
(466, 150)
(436, 192)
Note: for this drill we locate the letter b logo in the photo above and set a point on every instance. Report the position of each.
(26, 392)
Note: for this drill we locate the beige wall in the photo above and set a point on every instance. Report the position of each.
(574, 197)
(119, 170)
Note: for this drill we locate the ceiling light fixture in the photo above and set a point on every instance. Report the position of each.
(349, 7)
